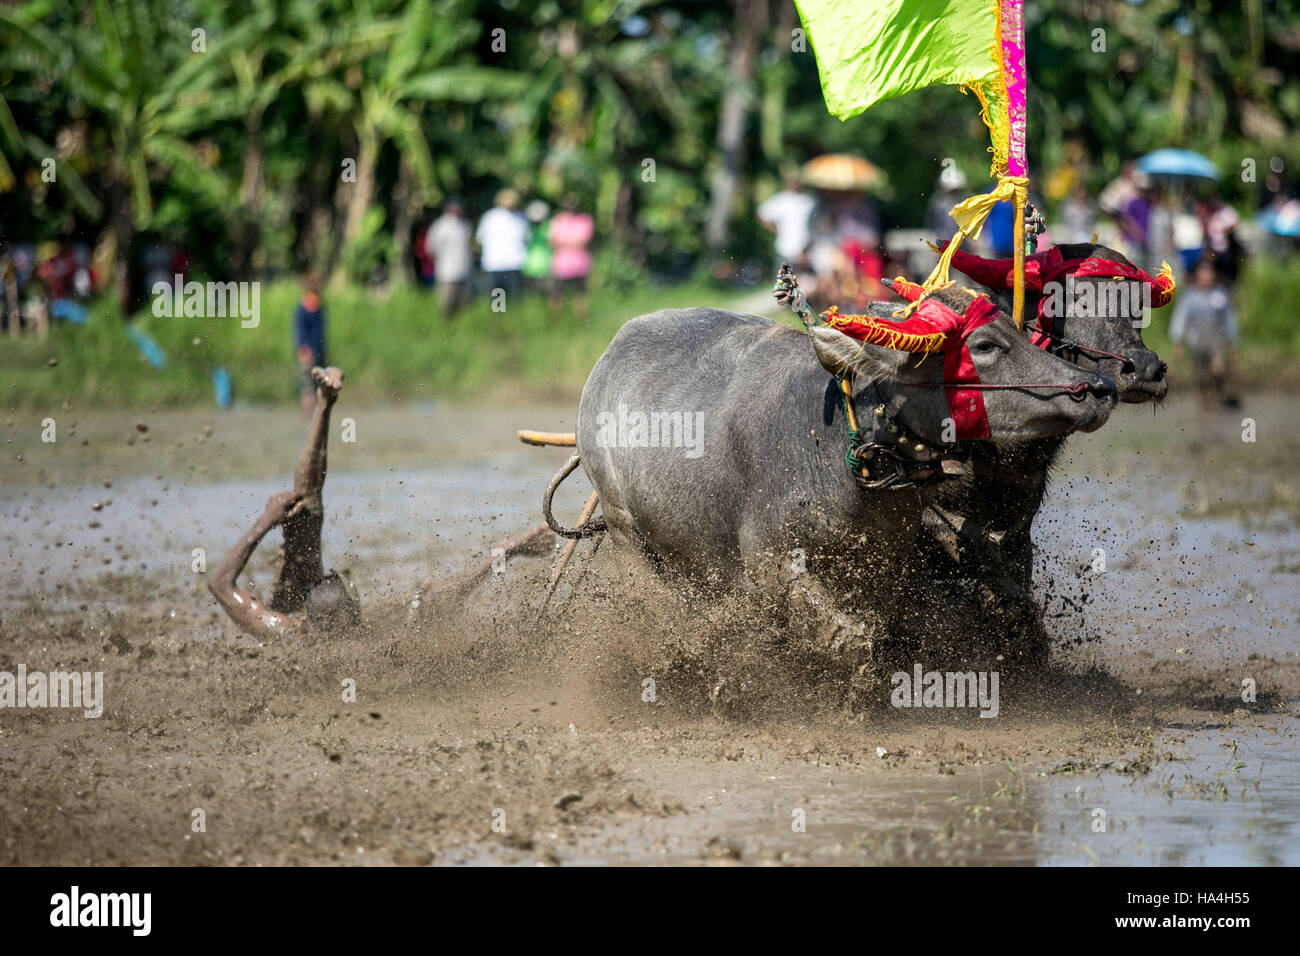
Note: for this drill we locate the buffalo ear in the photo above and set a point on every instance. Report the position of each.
(840, 353)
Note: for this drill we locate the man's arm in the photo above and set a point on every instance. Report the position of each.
(245, 610)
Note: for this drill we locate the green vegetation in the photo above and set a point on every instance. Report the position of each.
(392, 346)
(272, 137)
(396, 346)
(1268, 299)
(226, 124)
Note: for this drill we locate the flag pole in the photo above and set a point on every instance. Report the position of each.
(1011, 25)
(1018, 290)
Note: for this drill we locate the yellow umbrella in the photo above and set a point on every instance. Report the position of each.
(844, 172)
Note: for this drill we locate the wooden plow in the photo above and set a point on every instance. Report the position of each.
(587, 526)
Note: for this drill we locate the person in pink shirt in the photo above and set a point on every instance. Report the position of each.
(570, 233)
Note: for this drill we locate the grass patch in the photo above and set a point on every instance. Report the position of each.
(395, 346)
(398, 346)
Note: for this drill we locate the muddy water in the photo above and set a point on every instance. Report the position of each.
(1168, 558)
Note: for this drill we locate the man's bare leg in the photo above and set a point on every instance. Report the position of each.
(301, 567)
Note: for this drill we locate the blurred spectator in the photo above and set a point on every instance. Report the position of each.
(824, 257)
(503, 238)
(65, 279)
(423, 259)
(537, 258)
(1135, 218)
(1000, 231)
(1204, 323)
(1161, 247)
(1219, 222)
(950, 189)
(856, 220)
(857, 229)
(570, 233)
(309, 340)
(1119, 192)
(448, 245)
(1078, 216)
(1189, 238)
(788, 216)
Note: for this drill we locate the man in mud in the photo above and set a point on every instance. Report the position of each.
(303, 595)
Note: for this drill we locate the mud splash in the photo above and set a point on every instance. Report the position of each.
(463, 711)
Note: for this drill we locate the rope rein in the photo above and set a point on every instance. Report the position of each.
(1069, 345)
(903, 461)
(1078, 388)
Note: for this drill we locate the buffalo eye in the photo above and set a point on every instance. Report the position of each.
(985, 347)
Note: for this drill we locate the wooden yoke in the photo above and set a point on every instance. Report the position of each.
(562, 439)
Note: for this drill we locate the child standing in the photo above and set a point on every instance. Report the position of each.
(309, 341)
(1205, 324)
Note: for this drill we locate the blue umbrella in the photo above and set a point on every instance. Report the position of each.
(1177, 162)
(1282, 220)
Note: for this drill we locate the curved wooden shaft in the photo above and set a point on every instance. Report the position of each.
(562, 439)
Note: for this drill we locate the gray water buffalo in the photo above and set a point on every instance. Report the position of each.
(1086, 303)
(717, 442)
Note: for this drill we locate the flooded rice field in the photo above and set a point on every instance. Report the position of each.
(485, 731)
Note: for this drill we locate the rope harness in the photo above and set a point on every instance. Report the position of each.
(894, 459)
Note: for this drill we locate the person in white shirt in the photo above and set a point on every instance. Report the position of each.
(503, 239)
(447, 243)
(788, 215)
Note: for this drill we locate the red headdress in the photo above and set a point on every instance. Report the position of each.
(1051, 266)
(932, 326)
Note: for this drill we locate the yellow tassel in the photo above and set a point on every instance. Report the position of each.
(880, 333)
(1167, 273)
(970, 215)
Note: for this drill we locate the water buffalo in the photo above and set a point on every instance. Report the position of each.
(717, 444)
(979, 525)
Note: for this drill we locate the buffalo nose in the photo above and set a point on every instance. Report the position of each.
(1104, 386)
(1147, 366)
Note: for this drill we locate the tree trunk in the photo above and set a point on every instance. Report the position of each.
(112, 255)
(358, 199)
(405, 202)
(737, 101)
(776, 82)
(364, 187)
(247, 231)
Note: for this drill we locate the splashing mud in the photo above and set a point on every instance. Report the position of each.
(630, 722)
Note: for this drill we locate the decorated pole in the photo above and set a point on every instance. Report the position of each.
(1011, 30)
(872, 50)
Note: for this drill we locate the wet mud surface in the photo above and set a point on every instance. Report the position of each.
(485, 732)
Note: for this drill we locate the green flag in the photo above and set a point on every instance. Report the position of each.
(873, 50)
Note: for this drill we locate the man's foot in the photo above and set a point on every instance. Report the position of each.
(329, 382)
